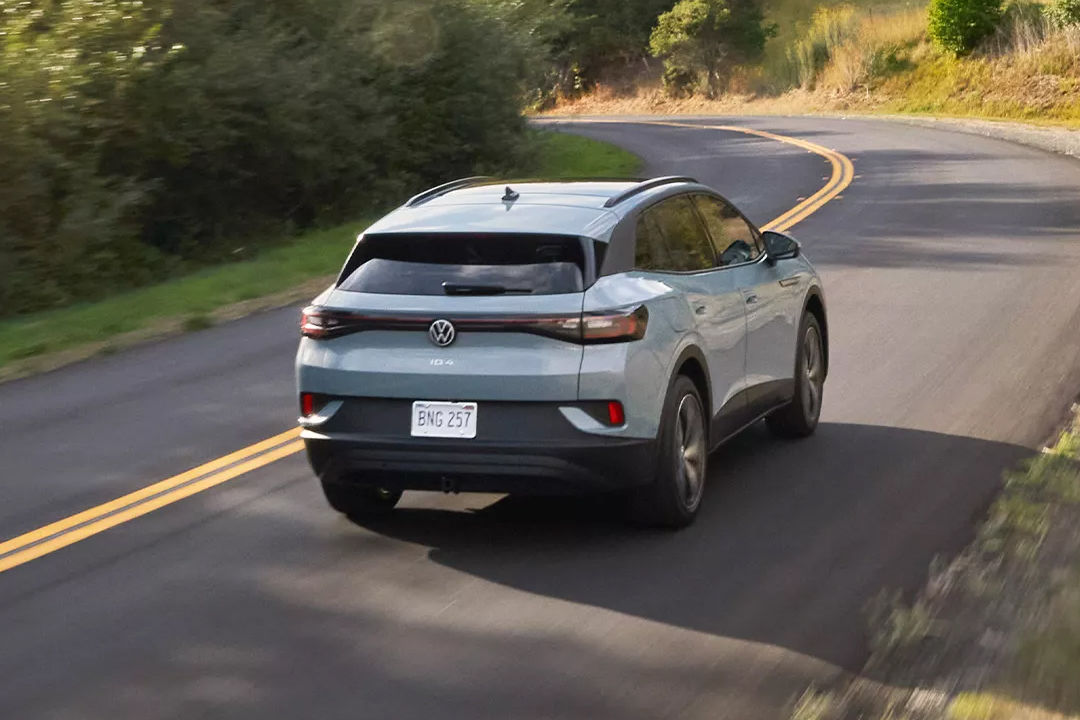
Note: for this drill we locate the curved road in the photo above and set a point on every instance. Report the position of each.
(951, 268)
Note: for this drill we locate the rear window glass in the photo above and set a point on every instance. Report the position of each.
(466, 264)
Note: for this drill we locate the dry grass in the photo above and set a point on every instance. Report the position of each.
(878, 60)
(880, 46)
(1028, 71)
(985, 706)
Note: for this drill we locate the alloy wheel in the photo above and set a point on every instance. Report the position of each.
(813, 373)
(690, 451)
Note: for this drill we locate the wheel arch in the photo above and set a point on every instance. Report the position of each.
(691, 363)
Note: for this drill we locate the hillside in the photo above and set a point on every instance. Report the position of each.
(876, 57)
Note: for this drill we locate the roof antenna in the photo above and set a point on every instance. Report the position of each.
(511, 195)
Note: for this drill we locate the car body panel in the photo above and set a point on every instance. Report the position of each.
(476, 366)
(774, 294)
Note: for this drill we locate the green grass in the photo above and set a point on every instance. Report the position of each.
(567, 156)
(191, 298)
(189, 302)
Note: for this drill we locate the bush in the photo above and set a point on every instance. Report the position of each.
(1063, 13)
(706, 39)
(806, 57)
(142, 138)
(957, 26)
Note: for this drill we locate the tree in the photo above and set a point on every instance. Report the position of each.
(609, 32)
(140, 138)
(957, 26)
(1063, 13)
(701, 40)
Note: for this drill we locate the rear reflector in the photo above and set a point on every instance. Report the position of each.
(307, 404)
(616, 416)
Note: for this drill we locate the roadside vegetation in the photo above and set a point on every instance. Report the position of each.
(142, 141)
(289, 270)
(1012, 59)
(163, 160)
(996, 634)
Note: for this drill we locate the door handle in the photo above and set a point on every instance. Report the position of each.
(751, 299)
(699, 309)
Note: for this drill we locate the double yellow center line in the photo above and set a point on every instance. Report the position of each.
(70, 530)
(843, 172)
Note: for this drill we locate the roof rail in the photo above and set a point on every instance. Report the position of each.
(646, 185)
(445, 188)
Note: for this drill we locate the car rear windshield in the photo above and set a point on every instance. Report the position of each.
(466, 264)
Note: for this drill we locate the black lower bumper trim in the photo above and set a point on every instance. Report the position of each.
(567, 468)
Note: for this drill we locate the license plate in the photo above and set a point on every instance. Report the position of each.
(443, 419)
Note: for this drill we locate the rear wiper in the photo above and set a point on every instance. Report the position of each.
(466, 289)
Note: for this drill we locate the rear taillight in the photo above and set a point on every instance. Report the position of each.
(587, 328)
(316, 322)
(615, 327)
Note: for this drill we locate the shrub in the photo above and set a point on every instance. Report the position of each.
(829, 28)
(141, 138)
(706, 38)
(1063, 13)
(957, 26)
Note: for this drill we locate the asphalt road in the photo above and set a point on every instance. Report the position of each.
(951, 268)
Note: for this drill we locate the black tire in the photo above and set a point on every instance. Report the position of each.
(360, 502)
(673, 498)
(800, 417)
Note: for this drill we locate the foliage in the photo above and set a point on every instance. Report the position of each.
(540, 28)
(575, 43)
(705, 39)
(65, 227)
(1063, 13)
(1048, 662)
(957, 26)
(140, 139)
(894, 627)
(198, 297)
(560, 155)
(806, 56)
(608, 32)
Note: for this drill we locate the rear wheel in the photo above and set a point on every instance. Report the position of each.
(673, 498)
(800, 418)
(358, 502)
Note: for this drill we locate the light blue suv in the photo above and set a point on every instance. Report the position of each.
(557, 337)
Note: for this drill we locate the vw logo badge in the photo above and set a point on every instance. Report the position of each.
(442, 333)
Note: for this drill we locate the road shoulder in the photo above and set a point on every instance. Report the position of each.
(994, 635)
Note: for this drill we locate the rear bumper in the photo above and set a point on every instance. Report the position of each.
(585, 466)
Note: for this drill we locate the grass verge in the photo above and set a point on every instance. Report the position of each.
(277, 276)
(560, 155)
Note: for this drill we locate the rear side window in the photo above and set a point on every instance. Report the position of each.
(466, 264)
(650, 252)
(732, 236)
(687, 246)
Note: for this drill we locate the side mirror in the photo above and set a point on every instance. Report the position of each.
(779, 246)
